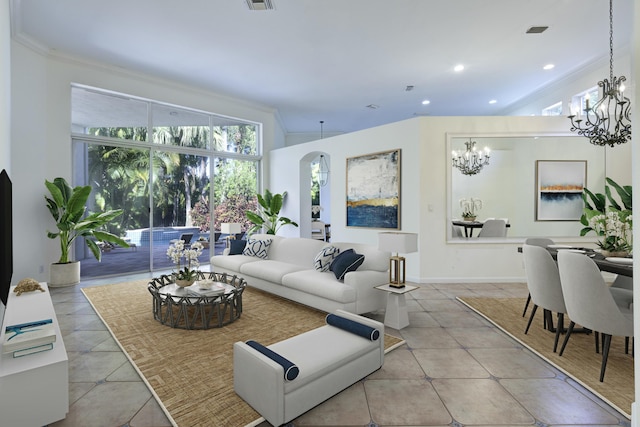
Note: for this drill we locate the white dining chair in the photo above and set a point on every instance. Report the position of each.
(535, 241)
(318, 230)
(543, 281)
(493, 228)
(590, 303)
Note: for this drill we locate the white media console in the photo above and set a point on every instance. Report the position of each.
(34, 389)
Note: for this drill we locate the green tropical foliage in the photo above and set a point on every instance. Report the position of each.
(612, 221)
(267, 217)
(181, 184)
(67, 207)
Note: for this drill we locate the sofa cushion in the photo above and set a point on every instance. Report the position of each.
(269, 270)
(257, 247)
(320, 284)
(236, 246)
(296, 250)
(345, 262)
(231, 263)
(291, 371)
(325, 257)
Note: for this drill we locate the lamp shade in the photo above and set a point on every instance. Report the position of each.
(398, 242)
(230, 228)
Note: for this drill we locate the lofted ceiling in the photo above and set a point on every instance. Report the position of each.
(347, 62)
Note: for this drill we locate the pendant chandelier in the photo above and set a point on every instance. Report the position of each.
(471, 161)
(323, 167)
(607, 122)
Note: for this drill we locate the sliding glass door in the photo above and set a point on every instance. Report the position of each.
(181, 187)
(119, 178)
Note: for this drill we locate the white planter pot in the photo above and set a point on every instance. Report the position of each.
(64, 274)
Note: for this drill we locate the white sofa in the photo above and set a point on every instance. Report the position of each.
(326, 360)
(289, 272)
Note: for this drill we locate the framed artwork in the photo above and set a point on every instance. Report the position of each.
(559, 185)
(373, 190)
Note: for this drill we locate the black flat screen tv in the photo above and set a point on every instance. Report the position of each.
(6, 237)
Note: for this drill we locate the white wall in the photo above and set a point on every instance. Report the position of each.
(288, 175)
(5, 86)
(563, 90)
(425, 164)
(41, 138)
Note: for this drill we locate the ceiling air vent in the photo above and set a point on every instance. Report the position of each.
(536, 30)
(260, 4)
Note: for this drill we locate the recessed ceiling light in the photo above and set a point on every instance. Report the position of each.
(548, 67)
(426, 102)
(493, 101)
(458, 68)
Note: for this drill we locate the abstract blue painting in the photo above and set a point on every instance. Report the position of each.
(559, 186)
(373, 190)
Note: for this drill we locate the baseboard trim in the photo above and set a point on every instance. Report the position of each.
(426, 280)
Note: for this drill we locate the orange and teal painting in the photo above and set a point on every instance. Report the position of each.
(559, 186)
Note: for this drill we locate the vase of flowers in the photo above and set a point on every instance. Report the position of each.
(612, 221)
(470, 208)
(187, 273)
(615, 227)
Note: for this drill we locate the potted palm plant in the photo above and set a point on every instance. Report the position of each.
(267, 218)
(67, 206)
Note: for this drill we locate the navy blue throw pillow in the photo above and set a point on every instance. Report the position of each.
(345, 262)
(291, 371)
(237, 246)
(353, 327)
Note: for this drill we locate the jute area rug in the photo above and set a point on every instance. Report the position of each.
(579, 360)
(190, 372)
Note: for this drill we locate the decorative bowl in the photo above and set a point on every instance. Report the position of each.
(184, 283)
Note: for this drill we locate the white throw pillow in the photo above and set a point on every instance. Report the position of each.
(325, 257)
(257, 248)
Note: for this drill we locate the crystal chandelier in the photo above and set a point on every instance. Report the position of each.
(607, 122)
(471, 161)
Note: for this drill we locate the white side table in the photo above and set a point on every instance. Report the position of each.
(396, 315)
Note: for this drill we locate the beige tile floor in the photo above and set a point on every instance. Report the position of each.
(456, 369)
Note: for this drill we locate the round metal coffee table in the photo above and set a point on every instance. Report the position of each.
(195, 308)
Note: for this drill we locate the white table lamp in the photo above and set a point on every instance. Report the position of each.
(230, 228)
(398, 243)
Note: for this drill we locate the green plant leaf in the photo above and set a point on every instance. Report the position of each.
(276, 204)
(95, 250)
(624, 192)
(55, 193)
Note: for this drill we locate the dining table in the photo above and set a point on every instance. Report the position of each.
(621, 266)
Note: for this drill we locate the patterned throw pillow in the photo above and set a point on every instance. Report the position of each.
(325, 257)
(257, 248)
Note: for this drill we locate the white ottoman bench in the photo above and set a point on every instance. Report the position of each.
(286, 379)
